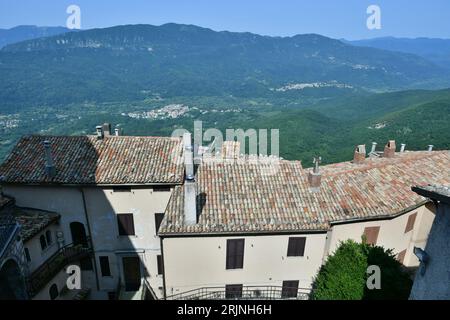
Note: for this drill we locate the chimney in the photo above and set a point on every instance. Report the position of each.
(190, 193)
(107, 129)
(314, 176)
(430, 147)
(50, 168)
(99, 130)
(402, 147)
(190, 201)
(374, 147)
(118, 132)
(360, 154)
(389, 149)
(188, 156)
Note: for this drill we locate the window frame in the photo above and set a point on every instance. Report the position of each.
(235, 259)
(122, 229)
(288, 291)
(296, 247)
(233, 291)
(105, 266)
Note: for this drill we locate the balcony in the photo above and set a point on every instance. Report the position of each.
(247, 293)
(45, 272)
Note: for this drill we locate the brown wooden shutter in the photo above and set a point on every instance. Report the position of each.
(233, 291)
(296, 247)
(401, 256)
(371, 234)
(126, 224)
(290, 289)
(235, 253)
(158, 219)
(160, 264)
(410, 223)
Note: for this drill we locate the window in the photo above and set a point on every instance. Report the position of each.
(104, 266)
(371, 234)
(160, 264)
(161, 189)
(410, 223)
(235, 253)
(43, 242)
(27, 254)
(296, 247)
(401, 256)
(290, 289)
(53, 292)
(233, 291)
(126, 224)
(158, 219)
(48, 237)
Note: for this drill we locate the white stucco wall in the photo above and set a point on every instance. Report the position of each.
(196, 262)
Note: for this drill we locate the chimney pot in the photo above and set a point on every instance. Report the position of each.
(402, 147)
(389, 149)
(50, 168)
(99, 130)
(190, 201)
(430, 147)
(188, 156)
(360, 154)
(374, 147)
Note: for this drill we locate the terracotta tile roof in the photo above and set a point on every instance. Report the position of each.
(236, 196)
(88, 160)
(31, 221)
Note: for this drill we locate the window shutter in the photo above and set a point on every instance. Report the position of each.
(410, 223)
(371, 234)
(296, 247)
(160, 264)
(401, 256)
(126, 224)
(235, 253)
(289, 289)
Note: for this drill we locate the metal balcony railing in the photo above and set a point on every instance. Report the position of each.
(247, 293)
(44, 273)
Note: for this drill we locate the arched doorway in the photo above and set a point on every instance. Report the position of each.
(12, 286)
(78, 234)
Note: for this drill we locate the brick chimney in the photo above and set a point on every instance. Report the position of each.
(314, 176)
(360, 154)
(50, 168)
(389, 149)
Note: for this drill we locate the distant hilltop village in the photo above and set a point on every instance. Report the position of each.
(148, 218)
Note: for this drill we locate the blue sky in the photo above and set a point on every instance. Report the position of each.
(333, 18)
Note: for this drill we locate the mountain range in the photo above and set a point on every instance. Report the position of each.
(22, 33)
(324, 95)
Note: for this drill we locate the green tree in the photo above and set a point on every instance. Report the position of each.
(344, 275)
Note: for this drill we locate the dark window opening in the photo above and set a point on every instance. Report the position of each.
(233, 291)
(158, 219)
(126, 224)
(235, 254)
(48, 237)
(27, 254)
(43, 242)
(290, 289)
(296, 247)
(53, 292)
(160, 264)
(104, 266)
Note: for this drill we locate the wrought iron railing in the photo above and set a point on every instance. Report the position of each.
(44, 273)
(247, 293)
(9, 228)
